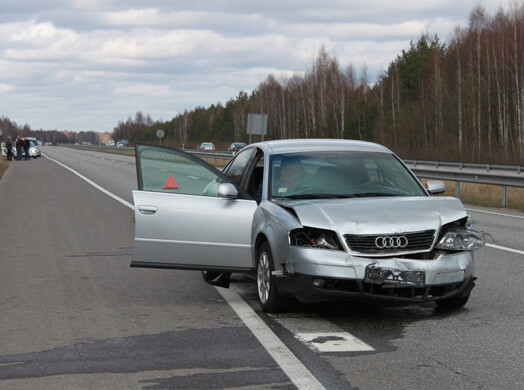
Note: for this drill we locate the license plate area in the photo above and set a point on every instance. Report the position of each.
(394, 277)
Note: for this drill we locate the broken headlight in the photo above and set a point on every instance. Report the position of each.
(459, 238)
(314, 238)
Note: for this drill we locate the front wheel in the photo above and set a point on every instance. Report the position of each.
(219, 279)
(270, 299)
(208, 275)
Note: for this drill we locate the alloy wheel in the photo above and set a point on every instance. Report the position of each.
(263, 277)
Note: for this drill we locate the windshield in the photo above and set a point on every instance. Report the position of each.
(313, 175)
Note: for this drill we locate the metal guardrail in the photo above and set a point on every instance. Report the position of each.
(492, 174)
(463, 165)
(479, 177)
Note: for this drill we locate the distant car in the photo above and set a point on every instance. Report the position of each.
(236, 146)
(312, 220)
(34, 149)
(120, 144)
(207, 146)
(111, 142)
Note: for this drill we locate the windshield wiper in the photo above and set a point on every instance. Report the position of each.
(373, 194)
(316, 196)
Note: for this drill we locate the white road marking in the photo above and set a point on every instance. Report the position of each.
(321, 335)
(333, 342)
(318, 334)
(118, 199)
(502, 248)
(288, 362)
(494, 213)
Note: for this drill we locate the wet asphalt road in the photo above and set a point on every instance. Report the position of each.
(74, 315)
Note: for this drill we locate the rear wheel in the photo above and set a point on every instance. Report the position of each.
(270, 299)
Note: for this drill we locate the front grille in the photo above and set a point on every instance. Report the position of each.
(366, 244)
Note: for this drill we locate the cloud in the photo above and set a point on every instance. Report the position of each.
(144, 90)
(85, 65)
(4, 88)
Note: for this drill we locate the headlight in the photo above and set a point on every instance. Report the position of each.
(461, 239)
(314, 238)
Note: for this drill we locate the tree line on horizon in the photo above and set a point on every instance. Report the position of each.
(13, 130)
(460, 101)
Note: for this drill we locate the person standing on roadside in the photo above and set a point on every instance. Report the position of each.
(26, 148)
(18, 145)
(9, 148)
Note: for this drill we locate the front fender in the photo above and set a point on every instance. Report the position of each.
(274, 223)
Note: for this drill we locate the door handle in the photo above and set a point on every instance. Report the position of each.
(147, 210)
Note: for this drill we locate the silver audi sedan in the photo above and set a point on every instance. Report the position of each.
(312, 220)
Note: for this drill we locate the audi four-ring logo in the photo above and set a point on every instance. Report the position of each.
(391, 242)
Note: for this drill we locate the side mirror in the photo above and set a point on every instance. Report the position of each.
(436, 187)
(227, 190)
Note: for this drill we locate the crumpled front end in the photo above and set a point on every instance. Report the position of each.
(416, 254)
(313, 275)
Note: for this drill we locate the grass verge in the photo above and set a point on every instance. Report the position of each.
(3, 166)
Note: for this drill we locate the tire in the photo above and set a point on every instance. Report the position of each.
(268, 296)
(208, 275)
(453, 302)
(218, 279)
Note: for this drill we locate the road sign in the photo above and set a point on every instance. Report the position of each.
(257, 124)
(160, 134)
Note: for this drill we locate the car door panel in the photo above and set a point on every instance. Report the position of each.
(174, 229)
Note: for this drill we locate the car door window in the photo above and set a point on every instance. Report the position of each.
(173, 171)
(237, 166)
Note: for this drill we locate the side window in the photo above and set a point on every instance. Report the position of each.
(174, 171)
(254, 182)
(237, 167)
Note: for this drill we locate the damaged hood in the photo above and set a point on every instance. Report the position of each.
(388, 215)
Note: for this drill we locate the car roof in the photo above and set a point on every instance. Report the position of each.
(318, 144)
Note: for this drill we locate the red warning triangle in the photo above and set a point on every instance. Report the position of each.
(170, 183)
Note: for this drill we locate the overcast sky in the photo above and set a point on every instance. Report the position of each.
(88, 64)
